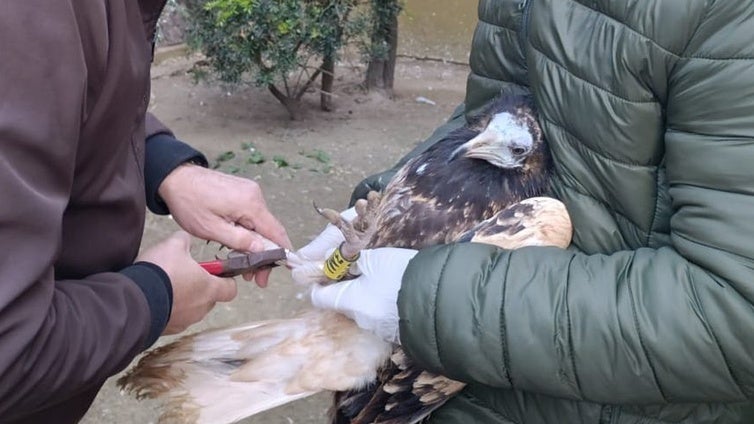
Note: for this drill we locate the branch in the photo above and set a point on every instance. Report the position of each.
(282, 98)
(432, 59)
(308, 83)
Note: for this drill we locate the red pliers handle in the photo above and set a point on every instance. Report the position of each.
(239, 263)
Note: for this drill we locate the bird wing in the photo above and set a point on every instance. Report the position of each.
(537, 221)
(222, 376)
(406, 394)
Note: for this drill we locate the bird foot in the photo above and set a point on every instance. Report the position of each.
(359, 231)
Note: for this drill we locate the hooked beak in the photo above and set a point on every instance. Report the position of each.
(505, 143)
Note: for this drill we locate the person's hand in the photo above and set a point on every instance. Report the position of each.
(223, 208)
(370, 299)
(195, 291)
(330, 238)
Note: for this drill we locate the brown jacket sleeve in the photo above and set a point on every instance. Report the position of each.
(57, 338)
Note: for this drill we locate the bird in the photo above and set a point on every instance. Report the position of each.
(485, 182)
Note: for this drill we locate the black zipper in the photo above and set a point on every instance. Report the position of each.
(523, 34)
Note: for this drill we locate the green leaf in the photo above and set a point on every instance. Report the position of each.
(234, 170)
(280, 161)
(226, 156)
(318, 155)
(255, 158)
(284, 28)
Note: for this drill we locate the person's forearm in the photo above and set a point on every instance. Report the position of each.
(60, 338)
(644, 326)
(163, 154)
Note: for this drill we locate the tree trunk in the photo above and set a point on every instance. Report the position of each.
(292, 105)
(388, 74)
(328, 77)
(381, 70)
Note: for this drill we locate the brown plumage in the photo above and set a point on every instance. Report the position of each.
(479, 184)
(447, 189)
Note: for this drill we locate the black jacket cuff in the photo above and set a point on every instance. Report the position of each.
(163, 154)
(155, 284)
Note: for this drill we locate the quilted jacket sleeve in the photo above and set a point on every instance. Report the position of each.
(643, 326)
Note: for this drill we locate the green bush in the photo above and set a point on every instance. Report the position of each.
(278, 44)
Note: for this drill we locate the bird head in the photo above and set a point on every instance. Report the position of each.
(507, 136)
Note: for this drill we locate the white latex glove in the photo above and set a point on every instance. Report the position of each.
(371, 298)
(330, 238)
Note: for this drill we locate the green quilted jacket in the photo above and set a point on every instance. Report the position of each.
(648, 107)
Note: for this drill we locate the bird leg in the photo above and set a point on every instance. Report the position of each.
(359, 231)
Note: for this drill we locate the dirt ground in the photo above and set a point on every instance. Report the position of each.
(319, 158)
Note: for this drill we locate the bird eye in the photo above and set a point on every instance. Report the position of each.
(518, 151)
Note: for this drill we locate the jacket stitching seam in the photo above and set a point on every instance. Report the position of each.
(503, 321)
(717, 343)
(630, 28)
(696, 31)
(435, 295)
(590, 149)
(650, 230)
(698, 25)
(493, 79)
(571, 349)
(720, 59)
(673, 130)
(716, 248)
(716, 189)
(497, 25)
(585, 81)
(644, 349)
(489, 408)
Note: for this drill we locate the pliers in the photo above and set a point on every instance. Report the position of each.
(238, 263)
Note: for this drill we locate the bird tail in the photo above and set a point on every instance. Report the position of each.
(225, 375)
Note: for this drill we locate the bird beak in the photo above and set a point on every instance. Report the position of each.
(505, 143)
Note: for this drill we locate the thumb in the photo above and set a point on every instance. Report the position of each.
(183, 239)
(224, 289)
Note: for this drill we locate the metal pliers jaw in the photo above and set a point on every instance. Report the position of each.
(238, 263)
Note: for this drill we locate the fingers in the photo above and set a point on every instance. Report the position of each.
(262, 277)
(259, 218)
(264, 223)
(238, 237)
(329, 297)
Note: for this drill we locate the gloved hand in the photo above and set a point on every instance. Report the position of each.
(330, 238)
(371, 298)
